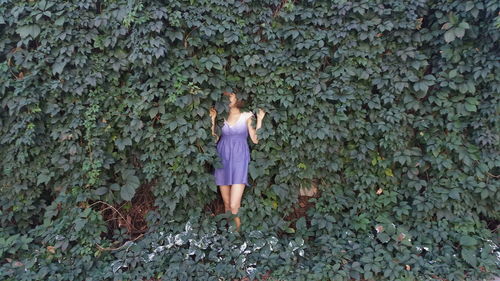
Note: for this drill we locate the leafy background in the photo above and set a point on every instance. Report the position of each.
(390, 108)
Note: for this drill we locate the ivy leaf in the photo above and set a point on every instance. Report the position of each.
(467, 241)
(383, 237)
(453, 73)
(230, 36)
(101, 191)
(208, 65)
(317, 88)
(254, 173)
(469, 256)
(281, 191)
(470, 107)
(127, 191)
(449, 36)
(484, 194)
(43, 178)
(459, 32)
(388, 172)
(469, 5)
(80, 223)
(58, 66)
(60, 21)
(454, 194)
(301, 224)
(28, 30)
(115, 187)
(446, 26)
(471, 103)
(121, 143)
(464, 25)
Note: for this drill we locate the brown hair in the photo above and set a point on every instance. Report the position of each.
(239, 103)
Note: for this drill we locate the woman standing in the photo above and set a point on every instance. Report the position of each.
(234, 152)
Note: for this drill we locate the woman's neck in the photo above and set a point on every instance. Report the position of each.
(234, 110)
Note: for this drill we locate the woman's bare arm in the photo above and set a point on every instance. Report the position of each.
(213, 131)
(251, 131)
(213, 115)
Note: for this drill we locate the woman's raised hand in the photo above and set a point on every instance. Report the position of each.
(261, 114)
(213, 113)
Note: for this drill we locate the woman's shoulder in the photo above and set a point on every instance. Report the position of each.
(248, 114)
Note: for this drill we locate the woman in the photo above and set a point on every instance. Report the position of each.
(234, 152)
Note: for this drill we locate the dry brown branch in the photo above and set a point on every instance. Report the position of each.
(118, 248)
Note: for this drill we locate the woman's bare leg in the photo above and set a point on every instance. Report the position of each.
(235, 201)
(225, 191)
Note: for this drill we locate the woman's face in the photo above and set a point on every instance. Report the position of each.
(232, 99)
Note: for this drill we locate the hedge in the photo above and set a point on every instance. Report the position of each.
(389, 107)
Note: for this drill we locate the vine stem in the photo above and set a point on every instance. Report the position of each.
(493, 176)
(118, 248)
(187, 36)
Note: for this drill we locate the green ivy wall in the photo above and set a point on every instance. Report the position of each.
(390, 106)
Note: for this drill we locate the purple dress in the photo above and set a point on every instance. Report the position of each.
(234, 152)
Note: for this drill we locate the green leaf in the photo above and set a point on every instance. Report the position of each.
(43, 178)
(453, 73)
(58, 67)
(471, 100)
(469, 5)
(449, 36)
(127, 191)
(301, 224)
(28, 30)
(472, 88)
(121, 143)
(101, 191)
(390, 228)
(470, 107)
(469, 256)
(459, 32)
(388, 172)
(253, 171)
(467, 241)
(280, 190)
(383, 237)
(463, 88)
(60, 21)
(86, 212)
(464, 25)
(484, 194)
(153, 111)
(208, 65)
(80, 223)
(454, 194)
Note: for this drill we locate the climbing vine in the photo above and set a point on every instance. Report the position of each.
(388, 109)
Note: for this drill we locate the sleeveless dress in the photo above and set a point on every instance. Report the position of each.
(234, 152)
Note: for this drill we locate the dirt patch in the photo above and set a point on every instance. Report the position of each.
(130, 214)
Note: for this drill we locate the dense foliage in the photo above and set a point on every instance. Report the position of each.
(390, 106)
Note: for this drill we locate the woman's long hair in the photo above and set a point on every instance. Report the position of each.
(239, 102)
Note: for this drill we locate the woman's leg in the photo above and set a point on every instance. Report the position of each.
(225, 191)
(235, 201)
